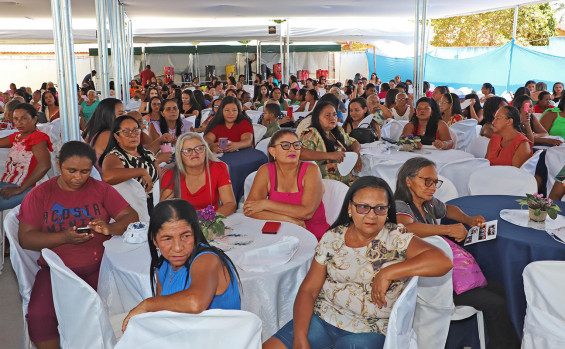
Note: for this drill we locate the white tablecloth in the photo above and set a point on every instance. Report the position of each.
(124, 273)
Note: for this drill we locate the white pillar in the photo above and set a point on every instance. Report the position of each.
(64, 53)
(113, 17)
(104, 71)
(515, 25)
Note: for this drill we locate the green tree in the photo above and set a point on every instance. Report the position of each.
(536, 23)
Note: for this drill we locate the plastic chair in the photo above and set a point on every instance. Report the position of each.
(25, 266)
(530, 164)
(465, 131)
(453, 138)
(134, 194)
(392, 129)
(544, 324)
(459, 172)
(554, 160)
(215, 328)
(247, 186)
(478, 147)
(400, 334)
(334, 194)
(447, 191)
(502, 180)
(387, 170)
(83, 319)
(259, 131)
(263, 145)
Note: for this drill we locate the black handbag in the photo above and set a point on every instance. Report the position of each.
(364, 135)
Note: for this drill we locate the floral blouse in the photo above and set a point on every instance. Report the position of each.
(312, 140)
(345, 298)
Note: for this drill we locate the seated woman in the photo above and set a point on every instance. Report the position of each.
(554, 120)
(50, 105)
(190, 106)
(199, 177)
(98, 128)
(450, 108)
(287, 189)
(488, 92)
(530, 125)
(144, 107)
(544, 102)
(191, 276)
(326, 143)
(401, 109)
(474, 110)
(125, 158)
(490, 108)
(557, 92)
(277, 94)
(508, 146)
(28, 159)
(558, 190)
(45, 224)
(357, 274)
(427, 124)
(417, 209)
(261, 95)
(155, 104)
(232, 123)
(310, 98)
(358, 111)
(88, 107)
(170, 122)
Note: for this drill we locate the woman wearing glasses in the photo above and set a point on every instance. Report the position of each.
(357, 274)
(417, 209)
(287, 189)
(125, 158)
(199, 177)
(169, 122)
(401, 110)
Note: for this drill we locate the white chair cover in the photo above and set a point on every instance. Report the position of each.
(387, 170)
(392, 129)
(83, 319)
(334, 194)
(247, 185)
(156, 192)
(502, 180)
(191, 119)
(95, 174)
(554, 160)
(459, 172)
(400, 334)
(447, 191)
(254, 115)
(435, 304)
(25, 266)
(453, 138)
(530, 164)
(465, 131)
(478, 147)
(263, 146)
(216, 328)
(134, 194)
(544, 324)
(259, 131)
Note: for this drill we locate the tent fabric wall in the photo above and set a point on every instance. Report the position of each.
(350, 63)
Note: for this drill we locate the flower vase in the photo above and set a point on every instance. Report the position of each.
(407, 147)
(537, 218)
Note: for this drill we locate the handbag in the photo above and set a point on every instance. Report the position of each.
(364, 135)
(467, 274)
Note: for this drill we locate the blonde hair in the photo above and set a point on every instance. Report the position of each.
(208, 155)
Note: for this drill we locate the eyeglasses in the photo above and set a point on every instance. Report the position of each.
(129, 133)
(429, 181)
(198, 150)
(365, 209)
(286, 145)
(402, 99)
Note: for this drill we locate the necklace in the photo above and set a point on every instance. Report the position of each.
(173, 274)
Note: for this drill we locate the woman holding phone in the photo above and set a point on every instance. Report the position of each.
(230, 129)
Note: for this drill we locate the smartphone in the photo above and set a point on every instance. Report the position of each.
(83, 230)
(527, 107)
(223, 143)
(271, 227)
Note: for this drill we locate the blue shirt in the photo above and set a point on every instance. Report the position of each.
(174, 281)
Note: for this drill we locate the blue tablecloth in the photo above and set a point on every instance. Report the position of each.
(241, 163)
(504, 258)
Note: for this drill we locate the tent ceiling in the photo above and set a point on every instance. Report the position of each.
(29, 21)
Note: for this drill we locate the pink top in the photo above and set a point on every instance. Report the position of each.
(317, 225)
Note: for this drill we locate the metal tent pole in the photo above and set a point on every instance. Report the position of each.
(287, 67)
(259, 58)
(123, 54)
(131, 54)
(64, 52)
(423, 33)
(247, 72)
(114, 35)
(416, 42)
(281, 36)
(102, 37)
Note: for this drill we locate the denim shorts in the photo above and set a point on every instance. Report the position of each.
(322, 335)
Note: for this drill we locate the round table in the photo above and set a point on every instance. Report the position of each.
(504, 258)
(124, 273)
(241, 163)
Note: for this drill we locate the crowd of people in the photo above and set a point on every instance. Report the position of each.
(172, 135)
